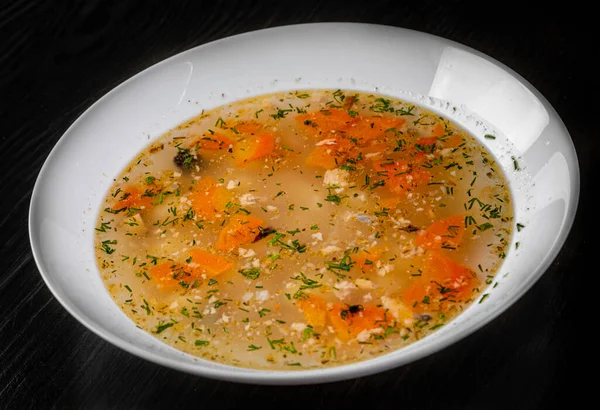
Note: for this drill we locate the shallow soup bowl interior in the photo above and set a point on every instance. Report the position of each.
(478, 93)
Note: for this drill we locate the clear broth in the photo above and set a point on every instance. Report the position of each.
(304, 229)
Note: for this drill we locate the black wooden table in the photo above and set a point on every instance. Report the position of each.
(57, 58)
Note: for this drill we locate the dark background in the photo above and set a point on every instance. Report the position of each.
(57, 58)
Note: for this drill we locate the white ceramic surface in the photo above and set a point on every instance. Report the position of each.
(462, 84)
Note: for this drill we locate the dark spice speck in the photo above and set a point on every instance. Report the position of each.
(186, 160)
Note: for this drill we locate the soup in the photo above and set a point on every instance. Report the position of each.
(304, 229)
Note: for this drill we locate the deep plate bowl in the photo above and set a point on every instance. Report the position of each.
(477, 92)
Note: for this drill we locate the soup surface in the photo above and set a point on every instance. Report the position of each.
(304, 229)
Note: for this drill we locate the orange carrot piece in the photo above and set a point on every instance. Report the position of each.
(365, 259)
(401, 176)
(438, 130)
(389, 203)
(208, 198)
(453, 140)
(321, 157)
(324, 123)
(443, 281)
(314, 309)
(132, 198)
(330, 153)
(239, 230)
(423, 147)
(415, 295)
(209, 263)
(169, 276)
(424, 142)
(349, 321)
(444, 233)
(458, 279)
(371, 128)
(248, 127)
(254, 147)
(215, 141)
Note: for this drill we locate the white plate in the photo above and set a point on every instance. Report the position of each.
(466, 86)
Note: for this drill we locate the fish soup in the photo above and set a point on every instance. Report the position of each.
(304, 229)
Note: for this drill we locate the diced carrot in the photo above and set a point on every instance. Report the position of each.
(239, 230)
(350, 321)
(330, 153)
(448, 141)
(389, 203)
(416, 295)
(254, 147)
(438, 130)
(401, 176)
(208, 198)
(412, 180)
(215, 141)
(458, 280)
(365, 259)
(314, 309)
(321, 157)
(425, 145)
(169, 276)
(248, 127)
(322, 124)
(426, 141)
(443, 281)
(133, 198)
(422, 147)
(444, 233)
(209, 263)
(371, 128)
(452, 141)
